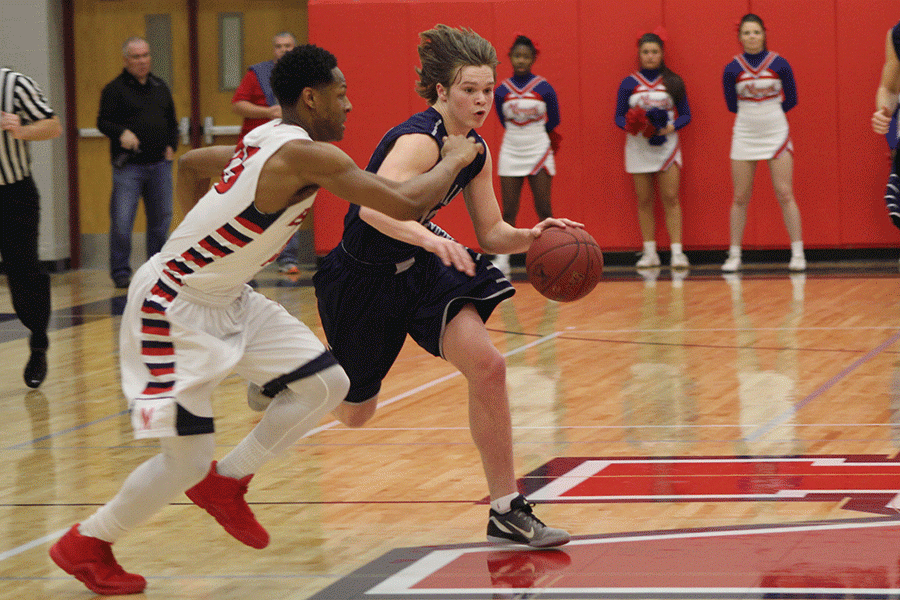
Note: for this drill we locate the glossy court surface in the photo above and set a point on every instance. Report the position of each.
(700, 437)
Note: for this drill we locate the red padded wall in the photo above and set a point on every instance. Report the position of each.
(587, 47)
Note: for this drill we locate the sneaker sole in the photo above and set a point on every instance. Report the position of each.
(84, 577)
(533, 544)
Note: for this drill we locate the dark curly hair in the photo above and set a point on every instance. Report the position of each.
(524, 40)
(304, 66)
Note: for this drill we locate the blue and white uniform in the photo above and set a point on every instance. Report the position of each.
(645, 89)
(191, 319)
(760, 88)
(373, 290)
(528, 110)
(892, 191)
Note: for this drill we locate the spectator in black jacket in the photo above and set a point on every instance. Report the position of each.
(137, 114)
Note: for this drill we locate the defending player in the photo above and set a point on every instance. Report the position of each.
(388, 278)
(885, 104)
(191, 319)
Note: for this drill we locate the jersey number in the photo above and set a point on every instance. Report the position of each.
(235, 167)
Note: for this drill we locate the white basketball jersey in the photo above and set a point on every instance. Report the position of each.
(224, 240)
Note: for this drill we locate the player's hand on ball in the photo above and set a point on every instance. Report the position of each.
(451, 253)
(551, 222)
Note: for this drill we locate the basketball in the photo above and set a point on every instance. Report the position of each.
(564, 263)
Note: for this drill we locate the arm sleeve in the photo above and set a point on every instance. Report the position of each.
(625, 90)
(499, 95)
(173, 123)
(108, 116)
(684, 113)
(729, 80)
(30, 100)
(788, 86)
(549, 96)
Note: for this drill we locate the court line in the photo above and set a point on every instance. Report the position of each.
(783, 417)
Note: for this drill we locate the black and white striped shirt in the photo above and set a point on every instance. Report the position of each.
(19, 94)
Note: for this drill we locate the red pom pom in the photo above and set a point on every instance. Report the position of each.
(555, 139)
(636, 121)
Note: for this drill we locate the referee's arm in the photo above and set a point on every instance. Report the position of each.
(35, 131)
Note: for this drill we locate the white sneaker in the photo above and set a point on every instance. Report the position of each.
(798, 263)
(680, 261)
(648, 260)
(501, 261)
(732, 264)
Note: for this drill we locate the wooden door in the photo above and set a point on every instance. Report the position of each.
(100, 28)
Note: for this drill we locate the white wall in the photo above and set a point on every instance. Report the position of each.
(31, 31)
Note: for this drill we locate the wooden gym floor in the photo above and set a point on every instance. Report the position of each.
(700, 436)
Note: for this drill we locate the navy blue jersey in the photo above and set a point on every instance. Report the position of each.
(367, 244)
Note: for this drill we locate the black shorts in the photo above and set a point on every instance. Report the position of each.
(367, 310)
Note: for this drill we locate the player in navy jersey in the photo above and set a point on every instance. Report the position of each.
(655, 152)
(528, 110)
(759, 87)
(885, 106)
(389, 278)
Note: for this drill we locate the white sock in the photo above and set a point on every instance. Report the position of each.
(245, 459)
(676, 249)
(502, 505)
(734, 252)
(797, 248)
(650, 247)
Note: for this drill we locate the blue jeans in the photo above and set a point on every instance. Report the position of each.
(130, 182)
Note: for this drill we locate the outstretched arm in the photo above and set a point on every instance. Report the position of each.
(888, 89)
(330, 168)
(195, 170)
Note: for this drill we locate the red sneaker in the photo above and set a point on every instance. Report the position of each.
(223, 498)
(92, 563)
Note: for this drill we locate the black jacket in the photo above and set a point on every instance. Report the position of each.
(146, 109)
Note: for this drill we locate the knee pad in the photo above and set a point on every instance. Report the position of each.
(335, 382)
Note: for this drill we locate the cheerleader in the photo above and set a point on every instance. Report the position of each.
(759, 87)
(885, 106)
(527, 109)
(652, 106)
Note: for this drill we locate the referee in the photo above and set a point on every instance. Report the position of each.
(25, 116)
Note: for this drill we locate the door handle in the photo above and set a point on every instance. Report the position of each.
(184, 129)
(210, 130)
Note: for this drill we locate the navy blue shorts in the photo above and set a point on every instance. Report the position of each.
(367, 310)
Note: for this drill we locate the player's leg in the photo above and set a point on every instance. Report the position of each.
(468, 347)
(669, 182)
(85, 550)
(645, 191)
(781, 168)
(541, 187)
(742, 172)
(283, 356)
